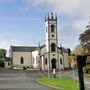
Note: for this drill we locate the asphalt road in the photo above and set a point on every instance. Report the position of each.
(20, 80)
(26, 80)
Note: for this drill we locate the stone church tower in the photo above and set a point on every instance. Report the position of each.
(45, 57)
(51, 40)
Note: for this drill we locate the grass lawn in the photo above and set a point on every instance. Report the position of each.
(61, 83)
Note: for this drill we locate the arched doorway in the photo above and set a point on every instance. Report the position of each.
(53, 63)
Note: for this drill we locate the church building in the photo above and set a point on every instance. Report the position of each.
(49, 55)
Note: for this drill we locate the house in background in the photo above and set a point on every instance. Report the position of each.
(7, 63)
(45, 56)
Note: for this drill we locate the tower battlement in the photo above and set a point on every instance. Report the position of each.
(51, 16)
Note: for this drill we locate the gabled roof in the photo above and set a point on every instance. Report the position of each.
(23, 48)
(42, 46)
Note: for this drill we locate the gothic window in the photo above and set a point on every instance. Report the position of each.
(22, 60)
(36, 59)
(52, 28)
(60, 60)
(46, 29)
(53, 47)
(45, 60)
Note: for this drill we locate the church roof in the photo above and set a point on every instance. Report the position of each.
(42, 46)
(23, 48)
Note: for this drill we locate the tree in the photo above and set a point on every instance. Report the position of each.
(2, 53)
(85, 39)
(69, 51)
(79, 50)
(85, 44)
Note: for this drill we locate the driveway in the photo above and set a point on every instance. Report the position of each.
(20, 80)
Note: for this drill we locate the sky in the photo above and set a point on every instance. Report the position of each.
(22, 21)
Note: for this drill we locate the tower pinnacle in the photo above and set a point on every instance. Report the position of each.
(52, 15)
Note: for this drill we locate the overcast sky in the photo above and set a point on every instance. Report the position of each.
(22, 21)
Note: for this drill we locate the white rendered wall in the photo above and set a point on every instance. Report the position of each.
(27, 59)
(35, 58)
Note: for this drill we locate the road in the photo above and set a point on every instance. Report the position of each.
(20, 80)
(26, 80)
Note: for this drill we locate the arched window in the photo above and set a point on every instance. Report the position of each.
(46, 61)
(52, 28)
(60, 60)
(46, 29)
(53, 47)
(22, 60)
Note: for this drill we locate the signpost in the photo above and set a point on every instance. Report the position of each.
(81, 61)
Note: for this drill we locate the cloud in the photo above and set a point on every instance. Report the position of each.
(76, 9)
(65, 7)
(69, 34)
(5, 42)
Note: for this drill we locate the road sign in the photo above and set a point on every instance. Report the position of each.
(81, 61)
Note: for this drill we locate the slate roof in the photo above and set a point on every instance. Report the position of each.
(23, 48)
(42, 46)
(30, 49)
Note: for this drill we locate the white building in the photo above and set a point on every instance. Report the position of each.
(44, 56)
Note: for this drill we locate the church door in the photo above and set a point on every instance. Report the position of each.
(53, 63)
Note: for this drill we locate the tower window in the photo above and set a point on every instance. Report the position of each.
(60, 60)
(46, 29)
(52, 28)
(22, 60)
(53, 47)
(45, 60)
